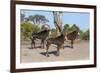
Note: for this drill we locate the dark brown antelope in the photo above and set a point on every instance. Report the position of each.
(40, 35)
(72, 36)
(58, 41)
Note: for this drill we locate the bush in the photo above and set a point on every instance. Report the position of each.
(85, 35)
(53, 33)
(27, 28)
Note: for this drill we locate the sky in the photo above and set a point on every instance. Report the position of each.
(81, 19)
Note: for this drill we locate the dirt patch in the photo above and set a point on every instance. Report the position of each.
(79, 52)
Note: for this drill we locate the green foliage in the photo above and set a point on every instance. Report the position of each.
(53, 33)
(85, 35)
(68, 29)
(75, 27)
(27, 28)
(65, 29)
(38, 19)
(22, 17)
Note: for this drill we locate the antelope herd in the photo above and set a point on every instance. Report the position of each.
(58, 41)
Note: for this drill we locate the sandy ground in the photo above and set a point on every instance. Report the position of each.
(79, 52)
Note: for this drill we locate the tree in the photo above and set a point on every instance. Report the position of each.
(85, 35)
(22, 16)
(68, 29)
(38, 19)
(75, 27)
(65, 29)
(58, 20)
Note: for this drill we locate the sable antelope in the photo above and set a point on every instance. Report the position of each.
(40, 35)
(72, 36)
(58, 41)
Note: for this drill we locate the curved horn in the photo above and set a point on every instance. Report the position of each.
(46, 25)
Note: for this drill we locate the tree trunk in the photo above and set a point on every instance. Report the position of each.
(58, 21)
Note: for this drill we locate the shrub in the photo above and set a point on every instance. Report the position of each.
(53, 33)
(27, 28)
(84, 35)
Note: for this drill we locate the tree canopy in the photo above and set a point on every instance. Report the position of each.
(38, 19)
